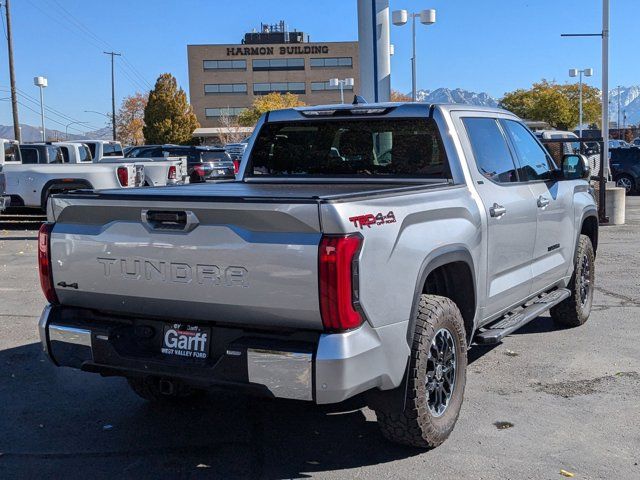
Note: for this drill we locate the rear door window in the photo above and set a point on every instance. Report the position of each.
(363, 148)
(65, 154)
(85, 154)
(490, 149)
(55, 154)
(535, 163)
(29, 155)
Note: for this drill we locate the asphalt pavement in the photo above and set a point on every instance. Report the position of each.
(544, 401)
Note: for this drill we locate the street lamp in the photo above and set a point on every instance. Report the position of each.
(42, 83)
(400, 18)
(336, 82)
(66, 129)
(574, 72)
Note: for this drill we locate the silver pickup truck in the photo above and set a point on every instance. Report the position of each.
(361, 250)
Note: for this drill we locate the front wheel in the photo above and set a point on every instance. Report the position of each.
(436, 378)
(575, 310)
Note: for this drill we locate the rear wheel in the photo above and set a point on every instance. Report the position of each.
(575, 310)
(436, 378)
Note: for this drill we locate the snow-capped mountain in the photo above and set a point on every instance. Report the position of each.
(629, 104)
(458, 95)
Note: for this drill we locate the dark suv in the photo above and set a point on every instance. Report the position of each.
(204, 163)
(625, 168)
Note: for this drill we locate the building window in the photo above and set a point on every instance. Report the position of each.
(224, 65)
(322, 86)
(331, 62)
(280, 87)
(278, 64)
(224, 88)
(219, 112)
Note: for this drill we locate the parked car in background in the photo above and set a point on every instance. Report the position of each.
(203, 163)
(625, 168)
(618, 144)
(236, 150)
(636, 142)
(40, 153)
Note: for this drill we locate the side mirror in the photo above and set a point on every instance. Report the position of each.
(575, 167)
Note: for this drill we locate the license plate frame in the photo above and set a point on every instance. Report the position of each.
(185, 343)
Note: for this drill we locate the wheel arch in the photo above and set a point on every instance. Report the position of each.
(589, 226)
(448, 271)
(66, 184)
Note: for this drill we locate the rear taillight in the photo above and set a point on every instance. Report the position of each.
(44, 262)
(338, 281)
(123, 176)
(173, 173)
(236, 166)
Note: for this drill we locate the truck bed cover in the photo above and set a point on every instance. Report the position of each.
(287, 190)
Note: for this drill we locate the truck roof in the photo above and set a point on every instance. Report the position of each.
(408, 108)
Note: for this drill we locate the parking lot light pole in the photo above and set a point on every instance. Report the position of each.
(400, 18)
(574, 72)
(336, 82)
(42, 83)
(66, 129)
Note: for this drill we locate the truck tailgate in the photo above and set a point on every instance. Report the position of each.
(250, 263)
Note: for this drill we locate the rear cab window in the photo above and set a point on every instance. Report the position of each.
(112, 150)
(367, 148)
(55, 155)
(65, 154)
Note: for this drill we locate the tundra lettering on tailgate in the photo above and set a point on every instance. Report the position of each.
(160, 270)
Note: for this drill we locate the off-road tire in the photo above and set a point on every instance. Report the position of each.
(416, 426)
(573, 312)
(149, 389)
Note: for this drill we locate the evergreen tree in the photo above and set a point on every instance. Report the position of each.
(168, 117)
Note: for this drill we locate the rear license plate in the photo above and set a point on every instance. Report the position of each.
(222, 172)
(186, 341)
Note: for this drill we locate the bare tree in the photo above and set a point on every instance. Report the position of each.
(232, 130)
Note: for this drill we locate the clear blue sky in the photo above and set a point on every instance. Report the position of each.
(488, 45)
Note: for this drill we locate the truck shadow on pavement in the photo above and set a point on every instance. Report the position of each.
(60, 422)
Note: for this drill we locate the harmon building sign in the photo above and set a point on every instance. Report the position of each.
(284, 50)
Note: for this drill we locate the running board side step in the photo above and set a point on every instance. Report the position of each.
(495, 332)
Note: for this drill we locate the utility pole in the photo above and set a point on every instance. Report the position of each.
(12, 76)
(113, 92)
(619, 95)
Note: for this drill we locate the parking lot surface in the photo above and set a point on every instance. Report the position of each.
(547, 399)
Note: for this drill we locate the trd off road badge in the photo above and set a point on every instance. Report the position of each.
(370, 220)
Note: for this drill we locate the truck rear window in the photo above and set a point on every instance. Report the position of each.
(350, 148)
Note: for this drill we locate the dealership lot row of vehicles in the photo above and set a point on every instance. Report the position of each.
(361, 249)
(31, 173)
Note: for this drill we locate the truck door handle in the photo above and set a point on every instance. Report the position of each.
(542, 201)
(497, 210)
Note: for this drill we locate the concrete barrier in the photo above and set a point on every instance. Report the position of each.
(615, 205)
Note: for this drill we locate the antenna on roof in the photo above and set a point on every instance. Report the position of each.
(357, 100)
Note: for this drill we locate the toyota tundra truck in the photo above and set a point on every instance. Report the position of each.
(361, 250)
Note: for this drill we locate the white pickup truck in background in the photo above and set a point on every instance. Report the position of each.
(31, 185)
(158, 171)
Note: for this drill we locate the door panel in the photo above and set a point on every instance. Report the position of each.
(553, 201)
(510, 210)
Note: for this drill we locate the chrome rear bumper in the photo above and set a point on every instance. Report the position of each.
(4, 203)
